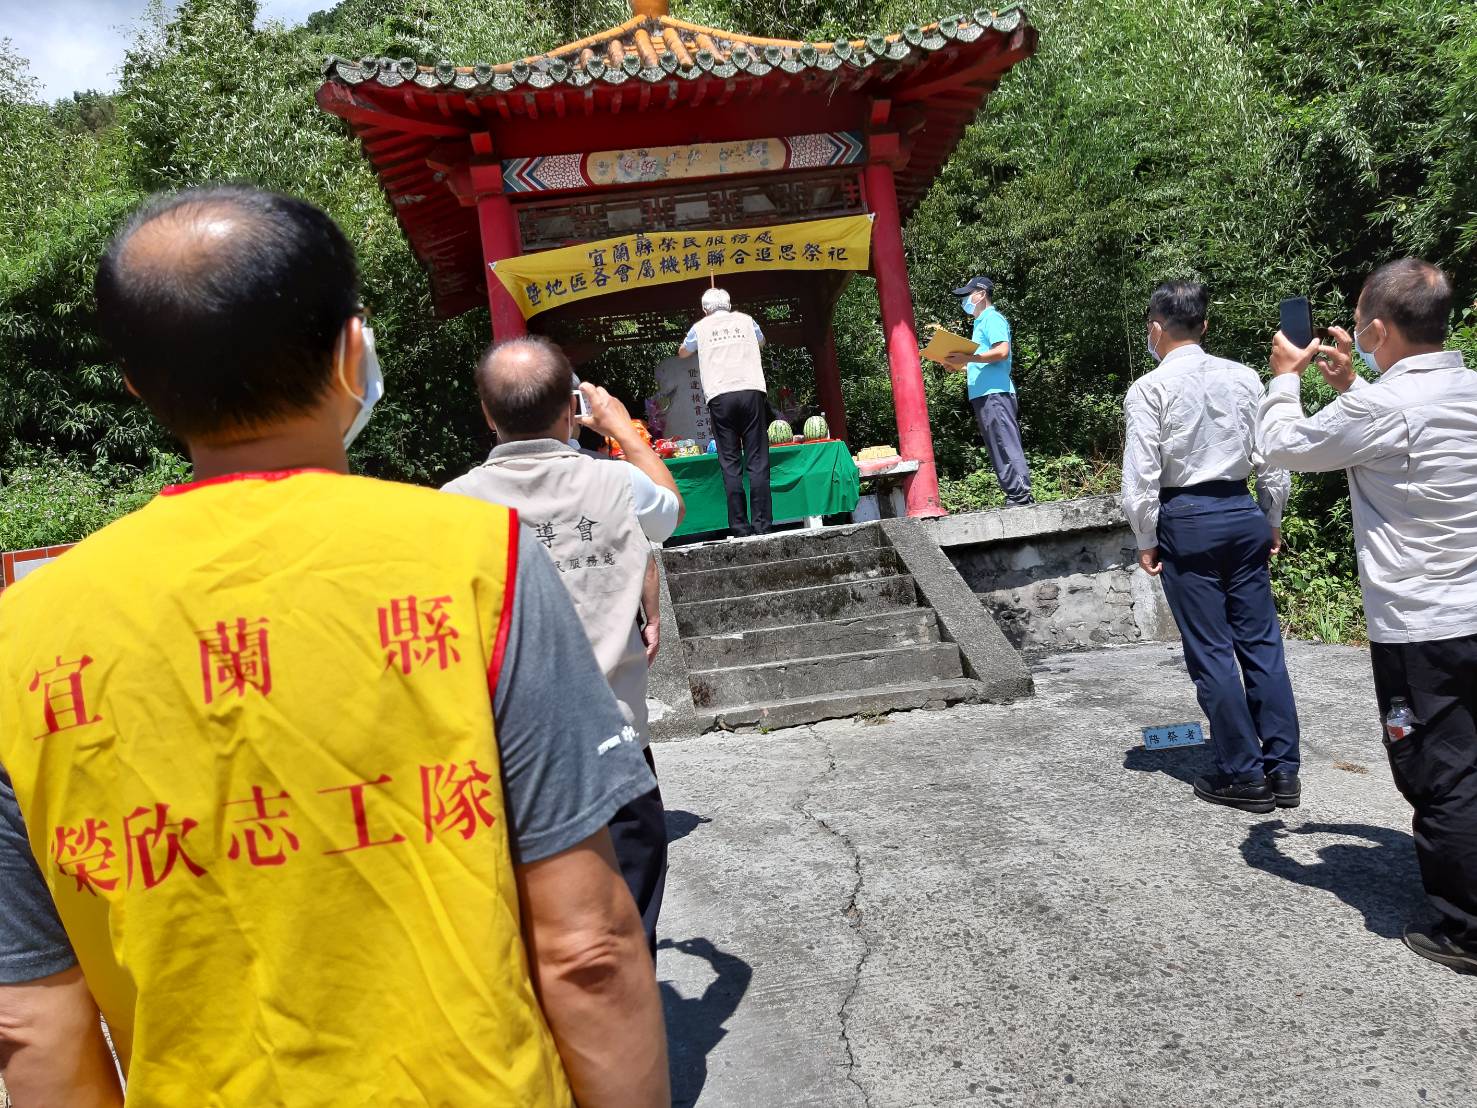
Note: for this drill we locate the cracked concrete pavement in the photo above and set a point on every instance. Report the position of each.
(850, 911)
(1017, 904)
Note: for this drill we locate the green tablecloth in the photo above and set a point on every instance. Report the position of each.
(805, 479)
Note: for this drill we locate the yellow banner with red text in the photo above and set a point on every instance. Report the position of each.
(553, 278)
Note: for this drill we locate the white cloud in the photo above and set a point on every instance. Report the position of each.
(291, 11)
(71, 44)
(79, 44)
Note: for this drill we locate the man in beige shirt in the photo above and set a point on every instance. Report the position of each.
(727, 345)
(597, 518)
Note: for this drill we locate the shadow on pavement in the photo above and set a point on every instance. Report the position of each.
(1183, 763)
(680, 824)
(695, 1027)
(1377, 878)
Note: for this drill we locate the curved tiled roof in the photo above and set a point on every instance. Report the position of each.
(657, 48)
(637, 83)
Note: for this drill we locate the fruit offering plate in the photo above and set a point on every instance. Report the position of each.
(870, 467)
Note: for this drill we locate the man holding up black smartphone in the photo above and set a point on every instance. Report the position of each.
(1409, 444)
(596, 518)
(1189, 451)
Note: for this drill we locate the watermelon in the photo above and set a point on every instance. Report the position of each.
(815, 428)
(780, 433)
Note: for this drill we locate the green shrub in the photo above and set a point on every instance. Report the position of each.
(46, 500)
(1060, 477)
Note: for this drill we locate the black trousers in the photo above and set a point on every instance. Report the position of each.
(739, 427)
(1435, 767)
(638, 831)
(1214, 542)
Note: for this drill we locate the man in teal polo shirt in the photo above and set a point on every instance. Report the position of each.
(991, 391)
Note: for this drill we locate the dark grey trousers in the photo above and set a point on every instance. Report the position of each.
(638, 832)
(996, 414)
(739, 429)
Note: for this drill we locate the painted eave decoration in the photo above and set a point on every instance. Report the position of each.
(654, 49)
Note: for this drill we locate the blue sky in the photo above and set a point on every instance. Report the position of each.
(79, 44)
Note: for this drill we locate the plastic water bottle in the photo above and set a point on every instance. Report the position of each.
(1400, 721)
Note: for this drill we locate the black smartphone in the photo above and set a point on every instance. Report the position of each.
(1297, 321)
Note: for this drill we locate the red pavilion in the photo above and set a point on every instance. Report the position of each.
(659, 125)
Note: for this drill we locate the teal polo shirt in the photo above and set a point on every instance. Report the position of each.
(990, 327)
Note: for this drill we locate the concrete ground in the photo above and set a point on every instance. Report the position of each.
(1018, 905)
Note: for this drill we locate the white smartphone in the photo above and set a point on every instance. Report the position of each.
(584, 405)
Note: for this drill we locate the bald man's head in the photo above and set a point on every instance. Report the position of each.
(223, 307)
(525, 385)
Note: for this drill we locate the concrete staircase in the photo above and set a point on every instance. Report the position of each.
(809, 625)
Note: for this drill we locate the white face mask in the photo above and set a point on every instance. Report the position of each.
(1367, 355)
(374, 385)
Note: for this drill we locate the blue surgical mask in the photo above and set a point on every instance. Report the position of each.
(374, 388)
(967, 303)
(1363, 353)
(1148, 342)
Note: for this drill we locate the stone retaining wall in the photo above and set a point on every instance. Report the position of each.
(1058, 576)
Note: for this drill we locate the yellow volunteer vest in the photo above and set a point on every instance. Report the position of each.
(250, 730)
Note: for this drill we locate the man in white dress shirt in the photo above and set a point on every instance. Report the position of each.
(1409, 443)
(1190, 448)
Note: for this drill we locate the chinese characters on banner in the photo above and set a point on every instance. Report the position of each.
(550, 278)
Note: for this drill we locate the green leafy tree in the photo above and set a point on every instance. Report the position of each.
(1381, 104)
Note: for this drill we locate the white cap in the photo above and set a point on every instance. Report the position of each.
(716, 300)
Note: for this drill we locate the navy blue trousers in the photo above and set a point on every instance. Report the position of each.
(998, 414)
(1214, 543)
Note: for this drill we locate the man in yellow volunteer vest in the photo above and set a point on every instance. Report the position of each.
(305, 776)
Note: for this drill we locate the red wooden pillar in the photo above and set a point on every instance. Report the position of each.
(500, 239)
(828, 379)
(890, 266)
(820, 340)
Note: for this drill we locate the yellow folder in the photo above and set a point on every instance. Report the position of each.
(943, 343)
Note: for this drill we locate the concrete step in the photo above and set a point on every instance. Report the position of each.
(891, 698)
(810, 677)
(782, 546)
(907, 627)
(796, 573)
(818, 604)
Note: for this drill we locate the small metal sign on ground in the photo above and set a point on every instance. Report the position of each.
(1175, 734)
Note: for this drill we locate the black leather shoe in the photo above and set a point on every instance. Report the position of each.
(1434, 944)
(1254, 796)
(1287, 790)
